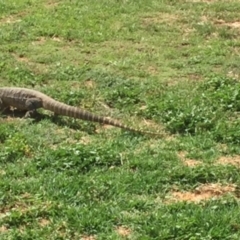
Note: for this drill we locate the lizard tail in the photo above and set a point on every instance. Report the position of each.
(74, 112)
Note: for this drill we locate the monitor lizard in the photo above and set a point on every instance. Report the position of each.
(31, 100)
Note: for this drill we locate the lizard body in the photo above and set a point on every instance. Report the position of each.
(31, 100)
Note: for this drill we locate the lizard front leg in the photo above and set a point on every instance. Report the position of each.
(32, 104)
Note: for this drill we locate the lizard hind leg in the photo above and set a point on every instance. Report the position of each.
(32, 104)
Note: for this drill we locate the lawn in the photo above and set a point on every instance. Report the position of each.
(170, 67)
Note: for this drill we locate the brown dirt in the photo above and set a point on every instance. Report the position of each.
(229, 160)
(51, 4)
(123, 231)
(10, 20)
(195, 77)
(39, 41)
(3, 229)
(13, 18)
(159, 17)
(202, 193)
(152, 70)
(235, 24)
(34, 66)
(85, 140)
(232, 74)
(2, 172)
(88, 238)
(187, 161)
(203, 1)
(20, 58)
(90, 84)
(44, 222)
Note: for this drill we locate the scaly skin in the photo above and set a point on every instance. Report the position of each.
(31, 100)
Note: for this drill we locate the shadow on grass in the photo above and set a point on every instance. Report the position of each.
(56, 119)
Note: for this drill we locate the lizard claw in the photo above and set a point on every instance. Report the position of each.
(31, 114)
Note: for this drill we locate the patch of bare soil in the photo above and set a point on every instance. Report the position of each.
(42, 40)
(123, 231)
(153, 70)
(203, 1)
(88, 238)
(10, 20)
(20, 58)
(14, 18)
(85, 140)
(34, 66)
(23, 205)
(90, 83)
(51, 4)
(235, 24)
(3, 229)
(44, 222)
(187, 161)
(232, 74)
(159, 17)
(18, 206)
(202, 193)
(39, 41)
(220, 22)
(2, 172)
(229, 160)
(195, 77)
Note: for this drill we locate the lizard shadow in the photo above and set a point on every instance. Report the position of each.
(73, 124)
(8, 113)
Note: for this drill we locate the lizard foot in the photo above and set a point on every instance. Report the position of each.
(31, 114)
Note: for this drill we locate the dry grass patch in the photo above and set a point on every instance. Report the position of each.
(229, 160)
(90, 84)
(20, 58)
(39, 41)
(202, 193)
(187, 161)
(233, 74)
(123, 231)
(153, 70)
(160, 17)
(11, 117)
(13, 18)
(204, 1)
(191, 163)
(85, 140)
(24, 204)
(2, 172)
(17, 206)
(44, 222)
(50, 4)
(3, 229)
(37, 68)
(195, 77)
(90, 237)
(10, 20)
(221, 22)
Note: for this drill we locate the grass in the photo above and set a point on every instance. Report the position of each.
(168, 66)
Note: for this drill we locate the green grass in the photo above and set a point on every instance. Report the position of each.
(169, 66)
